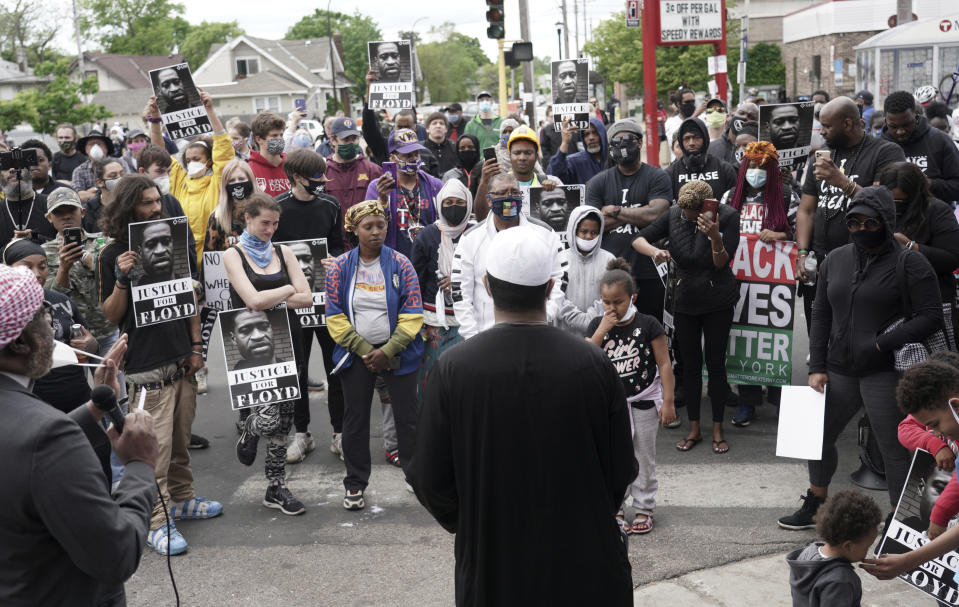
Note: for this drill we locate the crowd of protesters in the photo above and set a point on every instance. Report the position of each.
(412, 271)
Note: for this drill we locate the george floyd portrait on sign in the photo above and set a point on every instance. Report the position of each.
(162, 286)
(570, 78)
(258, 350)
(179, 102)
(310, 254)
(554, 207)
(788, 126)
(391, 60)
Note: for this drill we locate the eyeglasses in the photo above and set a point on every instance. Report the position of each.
(870, 224)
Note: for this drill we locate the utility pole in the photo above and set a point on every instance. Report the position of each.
(76, 25)
(566, 30)
(741, 72)
(576, 26)
(528, 85)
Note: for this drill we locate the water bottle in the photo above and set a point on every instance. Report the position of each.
(810, 264)
(100, 243)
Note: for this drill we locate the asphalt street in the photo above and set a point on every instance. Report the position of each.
(712, 510)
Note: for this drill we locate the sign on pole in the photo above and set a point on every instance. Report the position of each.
(682, 21)
(632, 13)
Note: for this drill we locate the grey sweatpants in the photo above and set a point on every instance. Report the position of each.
(644, 486)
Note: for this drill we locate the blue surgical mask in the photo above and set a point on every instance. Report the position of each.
(485, 106)
(506, 207)
(454, 118)
(302, 141)
(756, 177)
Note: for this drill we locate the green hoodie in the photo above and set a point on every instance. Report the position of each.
(488, 137)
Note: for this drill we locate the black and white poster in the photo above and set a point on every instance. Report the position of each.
(571, 93)
(669, 274)
(788, 126)
(310, 255)
(162, 285)
(260, 364)
(216, 284)
(555, 206)
(393, 64)
(908, 529)
(179, 101)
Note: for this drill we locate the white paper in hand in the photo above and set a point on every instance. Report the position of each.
(801, 417)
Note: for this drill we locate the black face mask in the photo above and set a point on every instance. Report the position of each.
(625, 153)
(454, 215)
(686, 108)
(468, 158)
(240, 190)
(864, 239)
(695, 161)
(315, 186)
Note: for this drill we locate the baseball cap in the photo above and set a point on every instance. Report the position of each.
(523, 133)
(864, 95)
(62, 197)
(716, 100)
(344, 127)
(483, 94)
(520, 256)
(404, 141)
(453, 107)
(863, 209)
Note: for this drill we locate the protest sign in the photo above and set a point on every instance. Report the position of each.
(571, 93)
(260, 363)
(162, 287)
(670, 278)
(179, 102)
(788, 126)
(802, 412)
(908, 530)
(555, 206)
(309, 254)
(215, 281)
(760, 340)
(392, 62)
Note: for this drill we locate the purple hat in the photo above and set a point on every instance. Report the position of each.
(404, 141)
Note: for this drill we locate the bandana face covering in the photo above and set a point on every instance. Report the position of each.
(506, 207)
(260, 251)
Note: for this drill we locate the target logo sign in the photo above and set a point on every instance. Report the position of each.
(945, 25)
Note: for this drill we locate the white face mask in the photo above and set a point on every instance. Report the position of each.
(96, 153)
(196, 169)
(163, 183)
(586, 245)
(756, 177)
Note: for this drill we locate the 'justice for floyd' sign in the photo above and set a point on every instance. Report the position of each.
(162, 287)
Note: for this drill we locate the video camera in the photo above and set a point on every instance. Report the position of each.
(18, 159)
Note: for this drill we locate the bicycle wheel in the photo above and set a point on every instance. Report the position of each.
(946, 85)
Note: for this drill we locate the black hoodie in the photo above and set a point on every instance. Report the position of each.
(934, 152)
(822, 582)
(858, 295)
(720, 175)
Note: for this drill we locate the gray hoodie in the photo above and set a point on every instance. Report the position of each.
(580, 300)
(822, 582)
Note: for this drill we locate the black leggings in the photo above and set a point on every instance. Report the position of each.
(334, 389)
(691, 331)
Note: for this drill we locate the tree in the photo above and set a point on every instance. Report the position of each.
(59, 100)
(448, 64)
(196, 45)
(764, 65)
(134, 27)
(356, 30)
(25, 25)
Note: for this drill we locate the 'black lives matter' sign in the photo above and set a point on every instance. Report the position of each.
(162, 287)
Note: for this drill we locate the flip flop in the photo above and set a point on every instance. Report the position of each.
(642, 527)
(717, 450)
(688, 443)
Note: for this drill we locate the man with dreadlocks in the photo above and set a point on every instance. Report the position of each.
(768, 210)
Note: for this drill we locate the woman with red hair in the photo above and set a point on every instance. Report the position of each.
(769, 211)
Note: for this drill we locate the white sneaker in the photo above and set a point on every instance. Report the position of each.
(336, 445)
(201, 381)
(301, 444)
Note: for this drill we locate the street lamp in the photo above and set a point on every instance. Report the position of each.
(559, 38)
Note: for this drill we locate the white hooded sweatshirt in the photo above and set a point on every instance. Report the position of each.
(580, 303)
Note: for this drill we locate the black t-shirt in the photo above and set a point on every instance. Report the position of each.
(628, 191)
(30, 214)
(862, 165)
(720, 175)
(317, 218)
(66, 388)
(149, 347)
(63, 166)
(630, 348)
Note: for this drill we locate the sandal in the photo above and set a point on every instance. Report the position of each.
(642, 526)
(621, 521)
(719, 450)
(688, 443)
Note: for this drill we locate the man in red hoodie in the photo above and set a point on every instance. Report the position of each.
(348, 172)
(267, 159)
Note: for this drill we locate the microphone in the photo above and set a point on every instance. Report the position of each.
(105, 399)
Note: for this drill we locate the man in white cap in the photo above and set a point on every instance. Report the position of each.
(472, 304)
(63, 538)
(496, 411)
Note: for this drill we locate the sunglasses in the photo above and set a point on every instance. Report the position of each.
(617, 141)
(870, 223)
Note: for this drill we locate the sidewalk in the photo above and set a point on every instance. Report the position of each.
(760, 581)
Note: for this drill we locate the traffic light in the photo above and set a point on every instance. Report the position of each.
(495, 18)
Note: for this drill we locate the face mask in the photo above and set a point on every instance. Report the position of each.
(348, 151)
(408, 168)
(137, 146)
(315, 186)
(756, 177)
(504, 139)
(301, 141)
(238, 145)
(274, 146)
(96, 153)
(454, 215)
(586, 245)
(195, 168)
(864, 239)
(625, 153)
(485, 106)
(240, 190)
(468, 158)
(506, 207)
(110, 184)
(163, 183)
(67, 146)
(454, 118)
(739, 156)
(686, 108)
(716, 119)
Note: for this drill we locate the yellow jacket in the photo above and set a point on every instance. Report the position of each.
(199, 197)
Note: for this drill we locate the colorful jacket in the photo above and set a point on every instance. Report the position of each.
(404, 306)
(199, 196)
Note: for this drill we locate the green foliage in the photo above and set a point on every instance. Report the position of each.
(196, 45)
(26, 24)
(59, 100)
(356, 30)
(765, 65)
(134, 27)
(449, 64)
